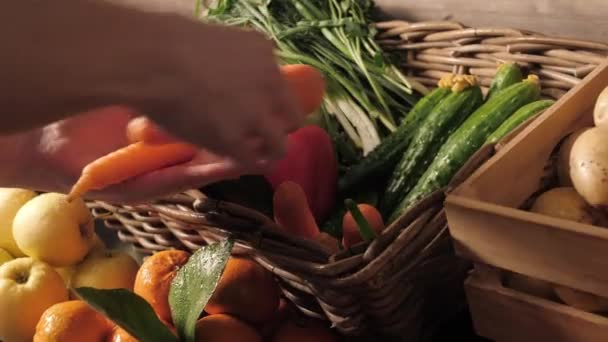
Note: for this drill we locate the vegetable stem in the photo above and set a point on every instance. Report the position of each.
(364, 229)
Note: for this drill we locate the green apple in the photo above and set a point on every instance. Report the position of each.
(27, 288)
(51, 229)
(5, 256)
(11, 200)
(108, 270)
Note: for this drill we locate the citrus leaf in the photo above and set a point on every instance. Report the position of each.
(194, 284)
(129, 311)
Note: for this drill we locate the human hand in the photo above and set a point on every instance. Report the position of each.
(213, 86)
(231, 98)
(58, 152)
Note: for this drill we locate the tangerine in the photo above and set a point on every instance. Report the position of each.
(245, 290)
(71, 321)
(121, 335)
(225, 328)
(153, 280)
(269, 328)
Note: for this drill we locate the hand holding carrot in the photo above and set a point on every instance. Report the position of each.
(52, 158)
(151, 148)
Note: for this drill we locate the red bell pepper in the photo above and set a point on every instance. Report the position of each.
(310, 162)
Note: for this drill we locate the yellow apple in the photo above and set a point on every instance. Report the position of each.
(66, 274)
(108, 270)
(53, 230)
(5, 256)
(11, 200)
(27, 288)
(98, 246)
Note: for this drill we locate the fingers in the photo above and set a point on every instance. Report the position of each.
(173, 180)
(286, 110)
(228, 99)
(167, 181)
(143, 129)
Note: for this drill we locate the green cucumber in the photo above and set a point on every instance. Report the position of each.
(387, 154)
(522, 114)
(507, 75)
(468, 138)
(426, 140)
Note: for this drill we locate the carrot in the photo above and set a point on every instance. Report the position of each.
(361, 222)
(130, 161)
(306, 84)
(292, 212)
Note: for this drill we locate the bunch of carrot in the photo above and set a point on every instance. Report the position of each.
(150, 149)
(362, 222)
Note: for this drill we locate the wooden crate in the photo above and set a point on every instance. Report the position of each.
(504, 314)
(488, 228)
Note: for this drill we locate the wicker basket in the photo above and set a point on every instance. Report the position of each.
(408, 280)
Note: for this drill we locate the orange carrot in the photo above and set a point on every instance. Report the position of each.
(306, 84)
(292, 212)
(128, 162)
(351, 233)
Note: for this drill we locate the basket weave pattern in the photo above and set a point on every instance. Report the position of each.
(433, 49)
(408, 279)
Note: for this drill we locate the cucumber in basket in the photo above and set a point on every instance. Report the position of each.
(387, 154)
(522, 114)
(507, 75)
(468, 138)
(464, 99)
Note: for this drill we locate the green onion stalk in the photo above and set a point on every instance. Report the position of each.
(367, 94)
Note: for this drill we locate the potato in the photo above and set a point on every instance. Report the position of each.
(589, 166)
(565, 203)
(581, 300)
(563, 157)
(600, 112)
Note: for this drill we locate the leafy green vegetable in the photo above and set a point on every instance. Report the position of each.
(129, 311)
(194, 284)
(366, 90)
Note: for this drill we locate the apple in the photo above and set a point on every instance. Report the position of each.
(27, 288)
(98, 246)
(5, 256)
(108, 270)
(66, 274)
(53, 230)
(11, 200)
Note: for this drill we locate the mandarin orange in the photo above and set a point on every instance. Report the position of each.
(153, 280)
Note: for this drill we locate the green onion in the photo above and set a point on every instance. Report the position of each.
(364, 229)
(367, 92)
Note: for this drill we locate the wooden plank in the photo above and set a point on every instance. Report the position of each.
(575, 19)
(554, 250)
(505, 315)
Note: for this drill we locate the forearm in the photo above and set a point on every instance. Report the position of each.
(59, 58)
(17, 159)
